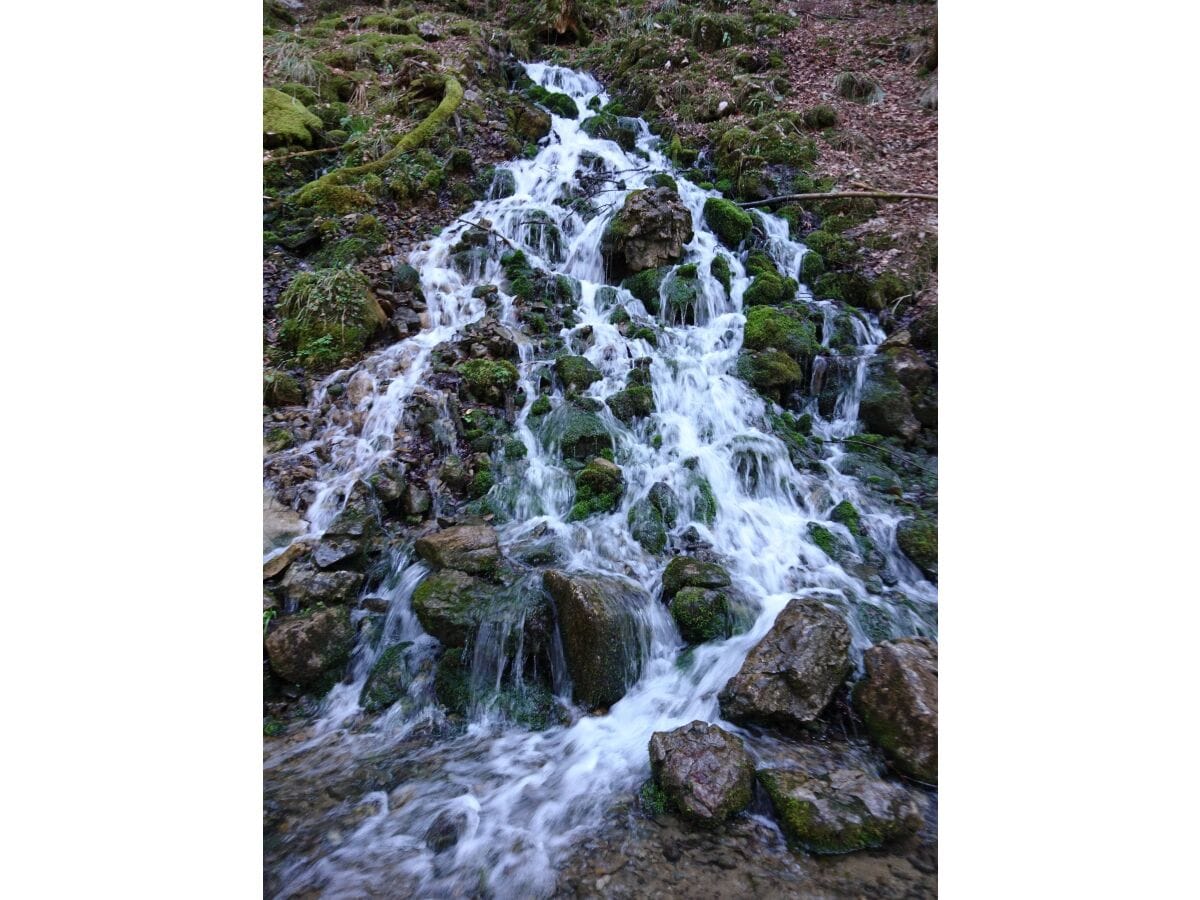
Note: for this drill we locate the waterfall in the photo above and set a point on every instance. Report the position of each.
(521, 799)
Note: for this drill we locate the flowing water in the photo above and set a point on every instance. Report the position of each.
(521, 798)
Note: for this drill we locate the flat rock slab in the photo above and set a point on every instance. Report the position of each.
(473, 549)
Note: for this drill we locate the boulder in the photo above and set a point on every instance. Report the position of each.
(281, 525)
(702, 615)
(306, 586)
(388, 680)
(474, 549)
(576, 373)
(598, 489)
(897, 699)
(687, 571)
(579, 434)
(303, 648)
(705, 772)
(790, 676)
(918, 539)
(450, 604)
(649, 231)
(825, 803)
(603, 633)
(650, 518)
(885, 406)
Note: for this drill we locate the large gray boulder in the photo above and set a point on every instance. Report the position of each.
(649, 231)
(704, 771)
(474, 549)
(790, 676)
(303, 648)
(827, 803)
(898, 700)
(604, 634)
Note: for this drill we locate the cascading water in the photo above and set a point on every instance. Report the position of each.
(522, 798)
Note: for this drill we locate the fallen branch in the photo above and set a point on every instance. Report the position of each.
(837, 195)
(452, 95)
(489, 231)
(267, 159)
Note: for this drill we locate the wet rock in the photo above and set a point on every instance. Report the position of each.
(918, 539)
(825, 803)
(897, 699)
(790, 676)
(622, 130)
(598, 489)
(280, 563)
(474, 549)
(445, 831)
(305, 586)
(650, 518)
(338, 552)
(687, 571)
(886, 407)
(488, 339)
(648, 232)
(529, 122)
(702, 615)
(576, 373)
(704, 770)
(281, 525)
(604, 635)
(450, 604)
(388, 680)
(580, 434)
(417, 501)
(303, 648)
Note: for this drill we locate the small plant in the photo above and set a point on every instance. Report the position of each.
(268, 615)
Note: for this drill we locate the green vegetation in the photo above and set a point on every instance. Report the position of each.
(328, 314)
(729, 222)
(286, 120)
(488, 380)
(598, 489)
(768, 327)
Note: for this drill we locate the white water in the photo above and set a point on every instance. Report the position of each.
(527, 797)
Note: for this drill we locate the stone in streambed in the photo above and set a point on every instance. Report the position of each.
(474, 549)
(790, 676)
(303, 648)
(897, 699)
(705, 772)
(306, 586)
(686, 571)
(649, 231)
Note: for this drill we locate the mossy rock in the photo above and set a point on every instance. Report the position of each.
(770, 372)
(836, 252)
(729, 222)
(488, 380)
(328, 315)
(650, 518)
(633, 403)
(281, 389)
(812, 267)
(578, 433)
(576, 373)
(388, 680)
(719, 269)
(687, 571)
(767, 327)
(701, 615)
(849, 287)
(820, 116)
(598, 489)
(646, 286)
(846, 514)
(286, 120)
(607, 127)
(858, 87)
(558, 103)
(712, 32)
(918, 539)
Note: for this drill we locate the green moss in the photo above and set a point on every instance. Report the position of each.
(607, 127)
(729, 222)
(820, 116)
(273, 728)
(598, 489)
(812, 266)
(580, 434)
(719, 269)
(633, 403)
(337, 199)
(387, 682)
(653, 799)
(286, 120)
(856, 86)
(662, 179)
(488, 380)
(823, 538)
(280, 389)
(328, 314)
(768, 327)
(540, 406)
(886, 289)
(576, 373)
(702, 615)
(769, 289)
(849, 287)
(646, 286)
(771, 372)
(704, 508)
(279, 439)
(558, 103)
(918, 539)
(836, 251)
(845, 514)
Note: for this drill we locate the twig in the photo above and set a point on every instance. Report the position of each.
(267, 159)
(489, 230)
(837, 195)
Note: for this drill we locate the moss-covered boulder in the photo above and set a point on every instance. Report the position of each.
(526, 701)
(599, 487)
(886, 406)
(577, 433)
(784, 330)
(791, 674)
(832, 806)
(918, 539)
(286, 120)
(328, 316)
(650, 518)
(450, 605)
(649, 231)
(281, 389)
(528, 122)
(604, 633)
(607, 127)
(474, 549)
(728, 221)
(720, 270)
(702, 615)
(576, 373)
(858, 87)
(705, 772)
(770, 289)
(646, 286)
(898, 700)
(488, 380)
(304, 648)
(771, 372)
(633, 403)
(687, 571)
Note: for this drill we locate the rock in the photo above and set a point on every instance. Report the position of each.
(303, 648)
(897, 699)
(825, 804)
(603, 633)
(579, 434)
(445, 831)
(474, 549)
(305, 586)
(918, 539)
(504, 184)
(790, 676)
(650, 518)
(529, 122)
(686, 571)
(388, 680)
(488, 339)
(607, 127)
(704, 770)
(702, 615)
(278, 564)
(598, 489)
(417, 501)
(772, 372)
(286, 120)
(885, 407)
(576, 373)
(281, 525)
(728, 221)
(649, 231)
(450, 605)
